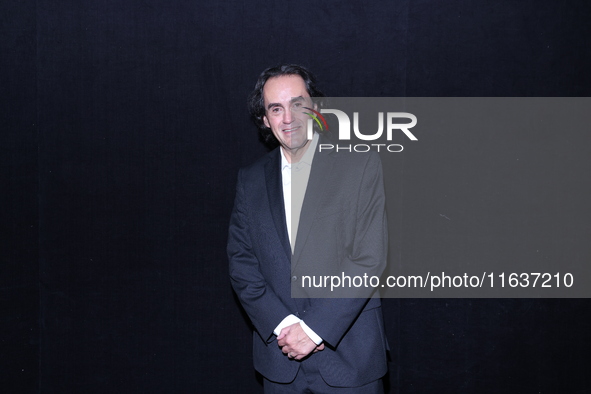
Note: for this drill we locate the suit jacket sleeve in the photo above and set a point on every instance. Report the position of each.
(265, 309)
(366, 253)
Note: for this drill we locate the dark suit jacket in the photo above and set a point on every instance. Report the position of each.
(342, 225)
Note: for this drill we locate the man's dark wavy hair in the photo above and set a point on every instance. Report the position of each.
(256, 104)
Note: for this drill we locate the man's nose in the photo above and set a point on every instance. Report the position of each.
(287, 116)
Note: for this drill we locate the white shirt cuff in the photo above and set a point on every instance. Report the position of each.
(288, 321)
(292, 319)
(313, 336)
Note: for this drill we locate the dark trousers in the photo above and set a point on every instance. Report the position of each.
(309, 381)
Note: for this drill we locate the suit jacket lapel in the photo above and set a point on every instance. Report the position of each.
(321, 168)
(275, 196)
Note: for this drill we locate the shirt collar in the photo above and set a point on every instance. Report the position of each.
(306, 159)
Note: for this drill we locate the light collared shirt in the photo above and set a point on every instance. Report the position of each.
(295, 181)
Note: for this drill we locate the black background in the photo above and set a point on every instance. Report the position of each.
(123, 126)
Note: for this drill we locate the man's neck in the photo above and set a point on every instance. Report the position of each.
(295, 155)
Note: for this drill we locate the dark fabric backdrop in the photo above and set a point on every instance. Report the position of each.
(123, 126)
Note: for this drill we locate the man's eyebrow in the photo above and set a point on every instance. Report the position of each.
(271, 105)
(293, 100)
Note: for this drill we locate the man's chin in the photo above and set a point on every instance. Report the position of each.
(297, 145)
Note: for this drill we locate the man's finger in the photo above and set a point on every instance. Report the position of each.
(319, 348)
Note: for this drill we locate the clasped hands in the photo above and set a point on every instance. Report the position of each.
(294, 342)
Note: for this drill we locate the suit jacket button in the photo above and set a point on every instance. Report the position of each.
(294, 278)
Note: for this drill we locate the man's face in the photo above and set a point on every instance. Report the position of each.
(285, 98)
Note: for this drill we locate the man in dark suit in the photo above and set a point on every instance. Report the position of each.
(332, 204)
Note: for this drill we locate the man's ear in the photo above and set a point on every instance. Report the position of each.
(266, 121)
